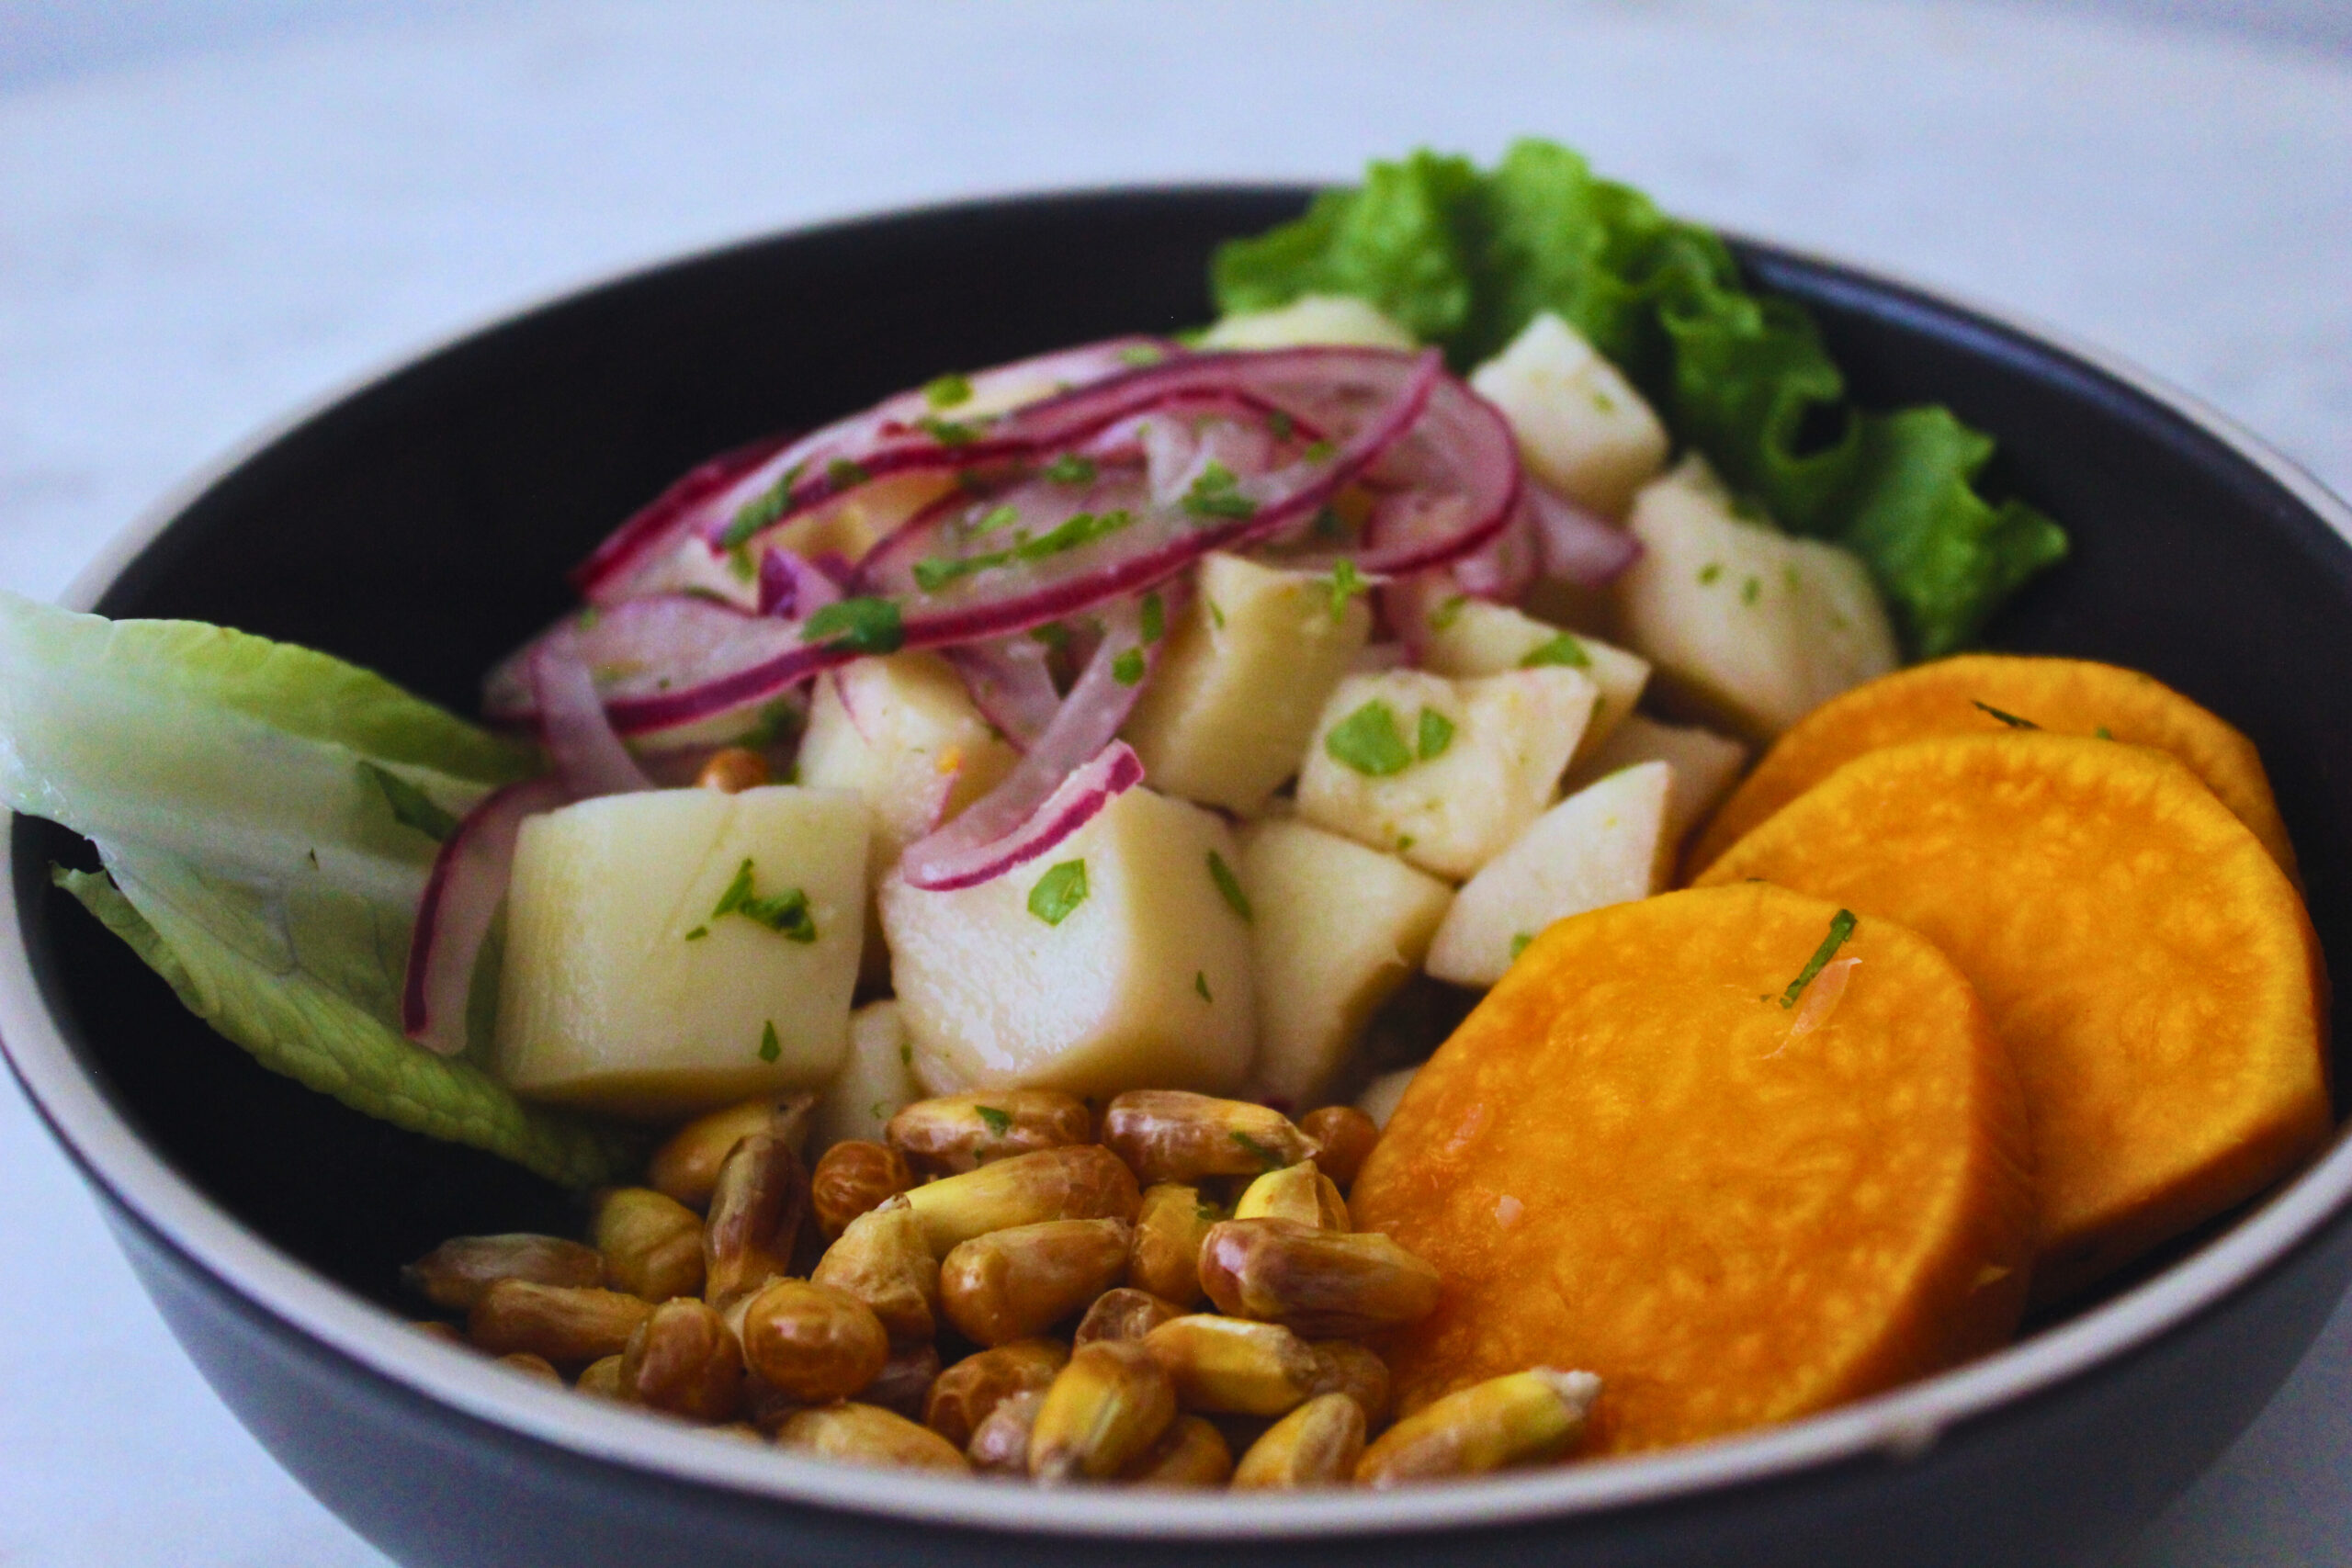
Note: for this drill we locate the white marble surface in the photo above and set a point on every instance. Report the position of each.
(211, 227)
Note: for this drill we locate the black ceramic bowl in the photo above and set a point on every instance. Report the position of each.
(423, 526)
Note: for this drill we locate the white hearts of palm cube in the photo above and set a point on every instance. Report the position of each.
(1582, 428)
(1472, 636)
(1340, 319)
(876, 1078)
(1605, 844)
(1747, 622)
(1706, 765)
(1443, 772)
(673, 951)
(1244, 675)
(903, 733)
(1118, 959)
(1336, 928)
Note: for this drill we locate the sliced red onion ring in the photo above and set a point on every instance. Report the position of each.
(1082, 793)
(1502, 568)
(1011, 685)
(589, 758)
(792, 588)
(462, 899)
(656, 526)
(1577, 546)
(644, 651)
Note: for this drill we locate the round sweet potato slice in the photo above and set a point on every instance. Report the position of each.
(2149, 965)
(1634, 1160)
(1981, 693)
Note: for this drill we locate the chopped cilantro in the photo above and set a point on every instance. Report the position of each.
(1069, 468)
(2012, 720)
(778, 722)
(1282, 425)
(761, 510)
(1201, 983)
(999, 1122)
(935, 572)
(1562, 649)
(1345, 584)
(586, 620)
(946, 391)
(1059, 891)
(412, 807)
(1445, 615)
(1709, 572)
(1128, 668)
(697, 933)
(1368, 741)
(1318, 452)
(1078, 528)
(1327, 525)
(1519, 944)
(786, 914)
(2103, 733)
(1002, 516)
(1750, 589)
(1216, 616)
(1141, 353)
(1265, 1155)
(770, 1046)
(1404, 842)
(1841, 926)
(1436, 734)
(948, 432)
(864, 626)
(1229, 888)
(1155, 617)
(906, 1054)
(1053, 635)
(1215, 493)
(841, 473)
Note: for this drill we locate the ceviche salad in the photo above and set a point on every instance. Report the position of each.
(1114, 916)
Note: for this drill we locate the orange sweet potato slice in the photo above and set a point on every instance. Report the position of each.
(2150, 967)
(1979, 693)
(1629, 1159)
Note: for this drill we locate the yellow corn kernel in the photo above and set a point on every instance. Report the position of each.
(1316, 1445)
(1298, 1192)
(867, 1433)
(1167, 1135)
(1165, 1258)
(1014, 1283)
(1233, 1366)
(811, 1342)
(1518, 1418)
(1102, 1413)
(967, 1391)
(1323, 1284)
(651, 1244)
(955, 1132)
(1083, 1181)
(884, 1259)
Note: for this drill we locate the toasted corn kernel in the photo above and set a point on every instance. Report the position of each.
(884, 1259)
(1323, 1285)
(1165, 1256)
(867, 1433)
(602, 1376)
(1233, 1366)
(1000, 1446)
(1011, 1284)
(1300, 1192)
(1168, 1134)
(957, 1132)
(687, 1167)
(683, 1359)
(854, 1179)
(1347, 1136)
(1191, 1453)
(1084, 1181)
(459, 1272)
(1123, 1313)
(651, 1244)
(755, 1214)
(1518, 1418)
(976, 1385)
(567, 1324)
(532, 1366)
(434, 1329)
(1345, 1367)
(812, 1342)
(1316, 1445)
(904, 1382)
(731, 769)
(1102, 1413)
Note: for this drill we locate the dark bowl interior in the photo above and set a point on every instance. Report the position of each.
(423, 526)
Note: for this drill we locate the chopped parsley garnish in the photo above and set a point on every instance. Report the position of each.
(1069, 468)
(1280, 424)
(1059, 891)
(2012, 720)
(1518, 944)
(1215, 493)
(946, 391)
(1327, 525)
(411, 805)
(935, 572)
(1140, 354)
(1345, 584)
(770, 1046)
(1155, 617)
(1079, 528)
(1709, 572)
(1841, 926)
(1750, 589)
(1201, 983)
(1003, 516)
(778, 722)
(999, 1122)
(1229, 888)
(1562, 649)
(786, 914)
(1264, 1156)
(1216, 616)
(1368, 741)
(906, 1054)
(586, 620)
(1318, 452)
(761, 510)
(1436, 734)
(697, 933)
(1445, 615)
(859, 625)
(1053, 635)
(948, 432)
(843, 472)
(2103, 733)
(1128, 668)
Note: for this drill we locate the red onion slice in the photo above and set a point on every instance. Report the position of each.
(656, 527)
(1011, 685)
(460, 902)
(667, 661)
(1577, 546)
(792, 588)
(1082, 793)
(589, 758)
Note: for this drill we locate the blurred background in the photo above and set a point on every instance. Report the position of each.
(215, 211)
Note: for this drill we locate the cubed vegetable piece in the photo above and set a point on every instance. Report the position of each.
(1336, 929)
(1443, 772)
(1245, 670)
(1338, 319)
(876, 1078)
(1705, 766)
(1605, 844)
(1751, 624)
(1582, 429)
(1381, 1095)
(1120, 958)
(677, 950)
(1471, 636)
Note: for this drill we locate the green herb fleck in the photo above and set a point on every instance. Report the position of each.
(411, 805)
(949, 432)
(843, 472)
(1562, 649)
(1229, 888)
(778, 722)
(1280, 424)
(1201, 983)
(761, 510)
(1750, 589)
(1518, 944)
(906, 1054)
(1059, 891)
(1127, 669)
(999, 1122)
(1140, 354)
(1216, 616)
(1318, 452)
(1368, 741)
(946, 391)
(1444, 615)
(864, 626)
(1215, 493)
(1079, 528)
(1436, 734)
(1327, 525)
(697, 933)
(1404, 842)
(740, 562)
(1841, 926)
(935, 572)
(786, 914)
(1709, 572)
(1264, 1156)
(770, 1046)
(1155, 617)
(1053, 634)
(2012, 720)
(1344, 584)
(2103, 733)
(1070, 468)
(1001, 516)
(586, 620)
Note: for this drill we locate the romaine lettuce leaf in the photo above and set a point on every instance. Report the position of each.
(1464, 259)
(268, 817)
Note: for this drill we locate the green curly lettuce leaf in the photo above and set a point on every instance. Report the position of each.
(1464, 259)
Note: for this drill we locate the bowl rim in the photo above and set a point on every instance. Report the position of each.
(1901, 1425)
